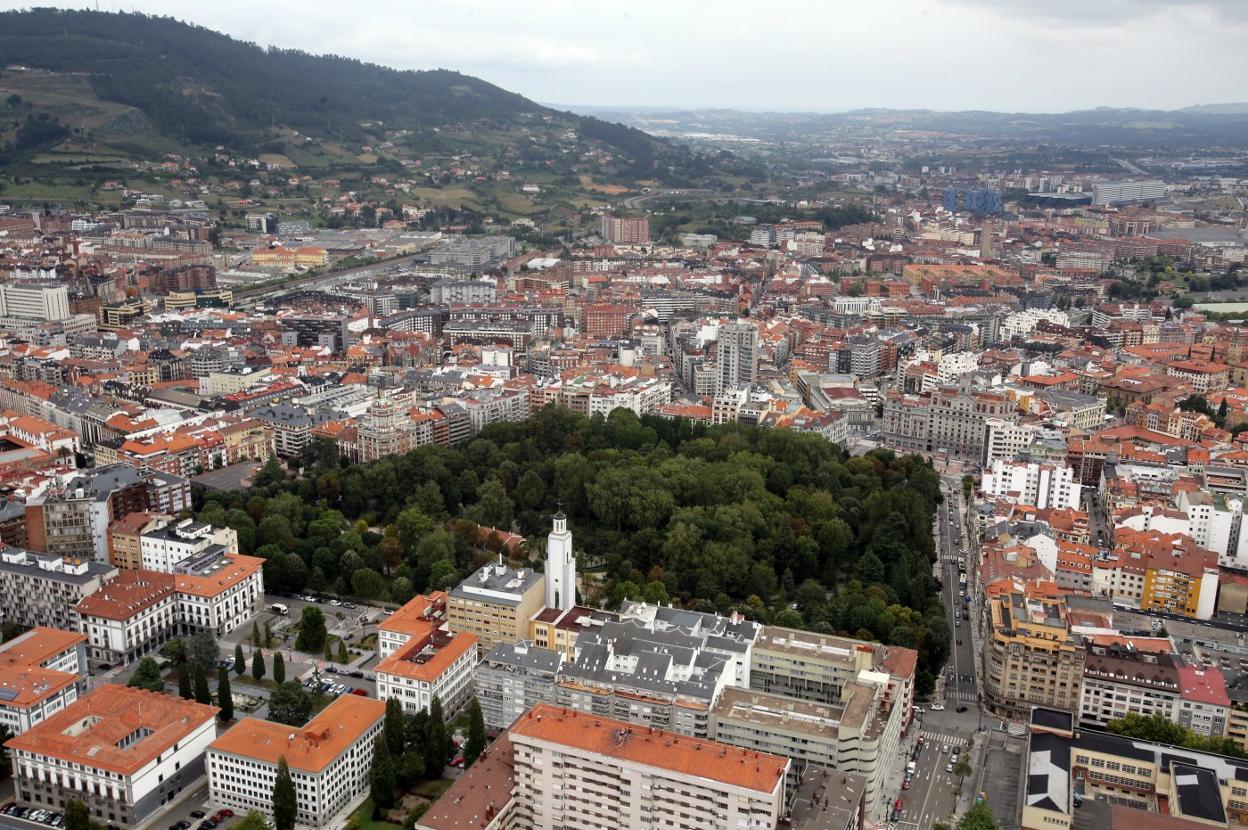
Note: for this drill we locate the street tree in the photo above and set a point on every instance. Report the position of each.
(225, 695)
(285, 804)
(202, 693)
(381, 775)
(279, 668)
(290, 704)
(184, 681)
(475, 744)
(257, 666)
(312, 633)
(147, 676)
(240, 660)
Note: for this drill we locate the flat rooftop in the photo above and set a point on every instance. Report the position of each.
(827, 799)
(309, 749)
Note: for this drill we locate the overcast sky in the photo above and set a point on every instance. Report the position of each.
(826, 55)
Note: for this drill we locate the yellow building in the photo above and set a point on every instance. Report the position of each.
(496, 604)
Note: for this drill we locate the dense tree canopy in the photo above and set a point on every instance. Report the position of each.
(776, 524)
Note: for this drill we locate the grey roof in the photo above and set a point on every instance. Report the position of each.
(656, 653)
(1048, 772)
(94, 571)
(524, 655)
(284, 414)
(1198, 792)
(505, 583)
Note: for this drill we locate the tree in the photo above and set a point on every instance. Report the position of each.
(202, 693)
(979, 817)
(257, 665)
(381, 775)
(279, 668)
(255, 634)
(225, 695)
(76, 815)
(184, 682)
(147, 676)
(367, 584)
(285, 804)
(254, 820)
(394, 725)
(240, 660)
(437, 741)
(202, 651)
(290, 704)
(343, 657)
(962, 768)
(312, 633)
(475, 744)
(174, 650)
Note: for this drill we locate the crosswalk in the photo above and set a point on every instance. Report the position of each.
(960, 696)
(943, 738)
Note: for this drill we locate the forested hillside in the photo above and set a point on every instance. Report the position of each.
(773, 523)
(207, 88)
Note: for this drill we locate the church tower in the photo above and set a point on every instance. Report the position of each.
(560, 566)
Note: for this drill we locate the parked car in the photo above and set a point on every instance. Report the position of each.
(359, 675)
(198, 814)
(359, 692)
(335, 602)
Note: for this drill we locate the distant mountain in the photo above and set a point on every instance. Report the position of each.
(200, 87)
(1200, 126)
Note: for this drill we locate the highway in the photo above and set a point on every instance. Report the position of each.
(251, 294)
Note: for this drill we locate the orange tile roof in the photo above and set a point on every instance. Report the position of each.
(698, 757)
(418, 616)
(37, 646)
(130, 593)
(22, 671)
(113, 713)
(411, 660)
(237, 568)
(311, 748)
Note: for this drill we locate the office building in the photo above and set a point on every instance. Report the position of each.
(125, 753)
(434, 664)
(329, 760)
(496, 603)
(34, 301)
(417, 617)
(41, 672)
(951, 420)
(574, 769)
(177, 546)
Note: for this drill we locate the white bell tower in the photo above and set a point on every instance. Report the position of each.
(560, 566)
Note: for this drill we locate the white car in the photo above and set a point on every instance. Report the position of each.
(937, 707)
(334, 602)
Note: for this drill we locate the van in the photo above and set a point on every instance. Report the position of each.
(911, 766)
(280, 608)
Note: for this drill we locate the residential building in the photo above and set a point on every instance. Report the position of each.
(123, 752)
(125, 538)
(951, 420)
(1029, 483)
(483, 798)
(329, 760)
(626, 230)
(858, 735)
(1030, 656)
(41, 672)
(417, 617)
(736, 354)
(1119, 679)
(574, 769)
(34, 301)
(513, 678)
(39, 589)
(496, 603)
(174, 547)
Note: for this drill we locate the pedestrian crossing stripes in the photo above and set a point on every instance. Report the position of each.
(959, 695)
(944, 738)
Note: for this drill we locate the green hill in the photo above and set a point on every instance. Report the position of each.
(139, 85)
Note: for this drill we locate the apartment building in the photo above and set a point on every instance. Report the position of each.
(41, 672)
(482, 798)
(1031, 656)
(221, 593)
(496, 603)
(626, 230)
(329, 759)
(1029, 483)
(40, 589)
(573, 769)
(436, 664)
(951, 419)
(176, 545)
(126, 753)
(858, 735)
(513, 678)
(736, 354)
(125, 538)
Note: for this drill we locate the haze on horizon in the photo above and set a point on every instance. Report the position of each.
(1002, 55)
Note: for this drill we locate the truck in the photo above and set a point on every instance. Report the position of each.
(279, 608)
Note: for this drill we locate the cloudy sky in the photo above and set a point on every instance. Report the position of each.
(826, 55)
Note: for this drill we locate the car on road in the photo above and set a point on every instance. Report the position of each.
(335, 602)
(961, 709)
(905, 785)
(937, 707)
(359, 675)
(351, 606)
(949, 767)
(198, 814)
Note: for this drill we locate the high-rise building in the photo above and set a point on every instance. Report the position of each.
(626, 230)
(736, 351)
(1121, 193)
(34, 301)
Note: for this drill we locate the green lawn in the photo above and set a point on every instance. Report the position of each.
(364, 819)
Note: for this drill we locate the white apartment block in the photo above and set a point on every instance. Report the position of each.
(1042, 485)
(41, 672)
(952, 366)
(167, 548)
(329, 759)
(577, 770)
(1022, 323)
(437, 664)
(1215, 523)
